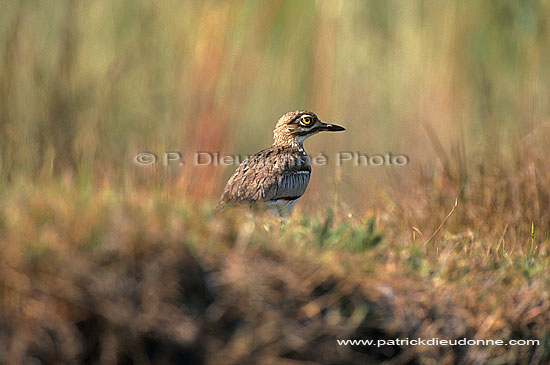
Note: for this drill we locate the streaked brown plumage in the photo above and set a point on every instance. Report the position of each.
(276, 177)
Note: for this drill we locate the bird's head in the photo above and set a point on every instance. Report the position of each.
(296, 126)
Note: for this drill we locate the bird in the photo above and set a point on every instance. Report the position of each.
(275, 178)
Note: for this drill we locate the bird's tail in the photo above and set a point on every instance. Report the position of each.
(220, 207)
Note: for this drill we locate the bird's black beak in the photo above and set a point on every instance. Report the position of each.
(331, 128)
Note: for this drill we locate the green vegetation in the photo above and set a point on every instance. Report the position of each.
(105, 261)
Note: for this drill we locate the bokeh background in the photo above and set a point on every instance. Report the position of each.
(104, 261)
(86, 85)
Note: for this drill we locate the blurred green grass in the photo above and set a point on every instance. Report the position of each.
(87, 85)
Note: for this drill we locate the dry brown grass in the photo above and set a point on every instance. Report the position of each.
(99, 275)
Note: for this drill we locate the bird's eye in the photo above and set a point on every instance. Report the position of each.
(306, 120)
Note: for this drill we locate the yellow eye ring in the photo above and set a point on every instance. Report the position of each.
(306, 120)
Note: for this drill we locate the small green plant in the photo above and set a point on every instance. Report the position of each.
(363, 237)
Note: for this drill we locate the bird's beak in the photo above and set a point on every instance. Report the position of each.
(331, 127)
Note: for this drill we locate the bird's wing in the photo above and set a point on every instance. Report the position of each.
(268, 175)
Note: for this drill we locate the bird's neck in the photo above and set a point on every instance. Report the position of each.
(289, 142)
